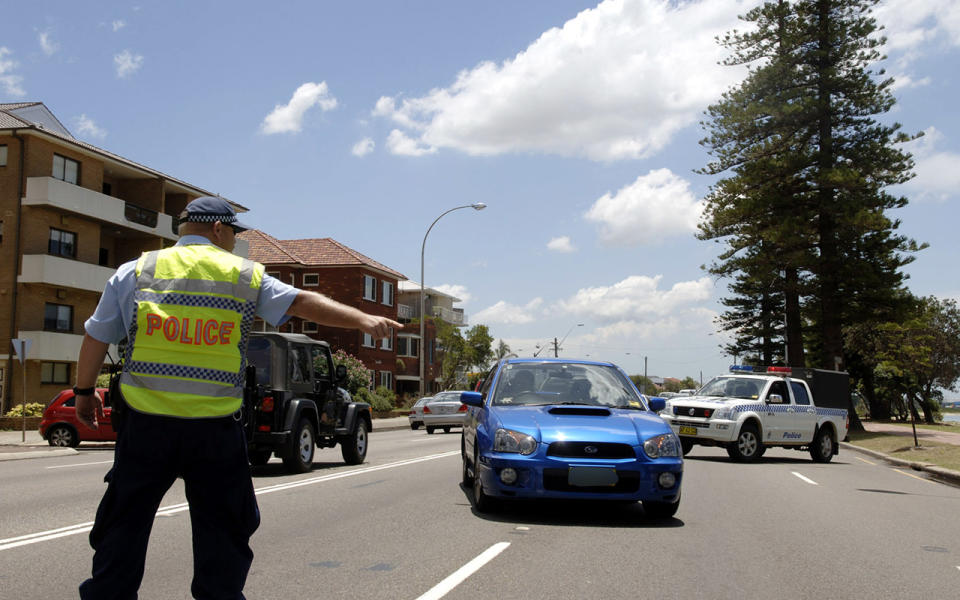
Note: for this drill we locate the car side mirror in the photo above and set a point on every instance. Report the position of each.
(657, 403)
(774, 399)
(341, 373)
(472, 399)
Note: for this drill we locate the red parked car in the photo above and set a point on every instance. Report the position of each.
(60, 426)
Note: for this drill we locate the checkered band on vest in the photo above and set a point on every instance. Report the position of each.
(195, 300)
(145, 368)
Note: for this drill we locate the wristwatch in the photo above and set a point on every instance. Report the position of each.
(83, 391)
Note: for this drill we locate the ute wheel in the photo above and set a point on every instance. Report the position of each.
(481, 501)
(258, 458)
(686, 445)
(299, 455)
(821, 450)
(748, 446)
(467, 475)
(660, 510)
(430, 429)
(354, 446)
(63, 435)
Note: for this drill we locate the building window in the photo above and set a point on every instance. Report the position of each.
(309, 327)
(387, 342)
(66, 169)
(386, 379)
(408, 346)
(274, 274)
(57, 317)
(387, 293)
(52, 372)
(369, 288)
(62, 243)
(259, 325)
(368, 341)
(104, 259)
(311, 279)
(3, 155)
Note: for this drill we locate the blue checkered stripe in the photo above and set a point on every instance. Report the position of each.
(169, 370)
(782, 408)
(201, 300)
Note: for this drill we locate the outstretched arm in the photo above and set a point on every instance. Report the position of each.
(326, 311)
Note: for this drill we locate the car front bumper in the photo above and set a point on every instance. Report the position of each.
(718, 431)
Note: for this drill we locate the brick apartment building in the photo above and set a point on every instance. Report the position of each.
(70, 214)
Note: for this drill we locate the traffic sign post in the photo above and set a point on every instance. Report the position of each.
(22, 348)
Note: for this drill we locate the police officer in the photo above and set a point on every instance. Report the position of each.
(186, 312)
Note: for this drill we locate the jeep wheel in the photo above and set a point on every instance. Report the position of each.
(258, 458)
(299, 455)
(821, 450)
(747, 447)
(354, 446)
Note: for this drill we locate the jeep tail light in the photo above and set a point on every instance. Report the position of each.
(263, 428)
(266, 405)
(463, 408)
(426, 410)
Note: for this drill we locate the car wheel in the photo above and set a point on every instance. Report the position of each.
(821, 450)
(258, 458)
(467, 475)
(414, 426)
(686, 445)
(747, 446)
(430, 429)
(299, 455)
(660, 510)
(63, 435)
(354, 447)
(481, 501)
(446, 429)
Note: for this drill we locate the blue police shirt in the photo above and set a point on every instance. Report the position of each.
(114, 315)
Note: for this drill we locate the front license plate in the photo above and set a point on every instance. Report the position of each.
(688, 431)
(591, 476)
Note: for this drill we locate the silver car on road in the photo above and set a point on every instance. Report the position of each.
(444, 411)
(416, 412)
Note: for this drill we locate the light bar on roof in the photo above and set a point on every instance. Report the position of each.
(741, 368)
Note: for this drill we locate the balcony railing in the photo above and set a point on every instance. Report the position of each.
(454, 316)
(405, 311)
(140, 215)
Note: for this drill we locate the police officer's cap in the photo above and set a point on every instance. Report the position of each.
(208, 209)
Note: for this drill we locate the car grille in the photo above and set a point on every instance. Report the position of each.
(684, 411)
(556, 480)
(600, 450)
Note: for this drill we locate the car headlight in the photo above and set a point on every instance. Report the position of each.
(507, 440)
(725, 413)
(662, 446)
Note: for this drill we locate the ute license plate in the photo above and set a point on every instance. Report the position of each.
(688, 431)
(591, 476)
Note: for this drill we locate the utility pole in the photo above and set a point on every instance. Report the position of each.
(644, 391)
(556, 348)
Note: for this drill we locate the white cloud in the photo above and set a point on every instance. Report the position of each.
(87, 128)
(363, 147)
(9, 81)
(914, 28)
(561, 244)
(118, 24)
(127, 63)
(288, 118)
(636, 298)
(399, 143)
(47, 44)
(937, 172)
(659, 202)
(457, 291)
(615, 82)
(505, 313)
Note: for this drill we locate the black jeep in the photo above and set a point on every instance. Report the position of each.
(292, 403)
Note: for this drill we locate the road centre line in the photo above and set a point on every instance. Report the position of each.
(102, 462)
(807, 479)
(43, 536)
(866, 461)
(914, 476)
(457, 577)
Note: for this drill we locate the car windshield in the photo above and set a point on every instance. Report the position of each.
(733, 387)
(565, 383)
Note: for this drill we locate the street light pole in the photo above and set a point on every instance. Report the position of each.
(423, 316)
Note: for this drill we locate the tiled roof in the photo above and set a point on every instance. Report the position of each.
(16, 105)
(8, 121)
(309, 252)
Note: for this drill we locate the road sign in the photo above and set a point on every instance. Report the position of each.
(22, 348)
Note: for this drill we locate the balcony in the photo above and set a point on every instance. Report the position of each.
(59, 347)
(405, 311)
(453, 316)
(47, 191)
(63, 272)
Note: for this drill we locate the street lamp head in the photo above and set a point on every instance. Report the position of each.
(478, 206)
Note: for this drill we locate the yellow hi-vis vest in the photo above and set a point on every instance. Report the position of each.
(186, 349)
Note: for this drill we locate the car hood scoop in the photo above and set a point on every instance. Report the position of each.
(580, 411)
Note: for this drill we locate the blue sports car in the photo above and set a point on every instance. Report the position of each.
(559, 428)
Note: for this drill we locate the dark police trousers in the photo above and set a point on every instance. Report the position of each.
(211, 457)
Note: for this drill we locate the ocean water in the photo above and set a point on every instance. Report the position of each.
(951, 417)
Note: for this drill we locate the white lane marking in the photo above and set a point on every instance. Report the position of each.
(456, 578)
(102, 462)
(807, 479)
(865, 460)
(164, 511)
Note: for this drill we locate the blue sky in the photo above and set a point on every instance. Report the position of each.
(575, 122)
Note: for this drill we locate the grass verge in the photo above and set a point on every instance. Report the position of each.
(942, 455)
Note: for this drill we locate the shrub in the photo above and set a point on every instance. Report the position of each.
(358, 376)
(382, 400)
(34, 409)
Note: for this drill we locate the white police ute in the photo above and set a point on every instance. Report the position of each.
(748, 411)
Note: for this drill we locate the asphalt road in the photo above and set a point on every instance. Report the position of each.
(400, 527)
